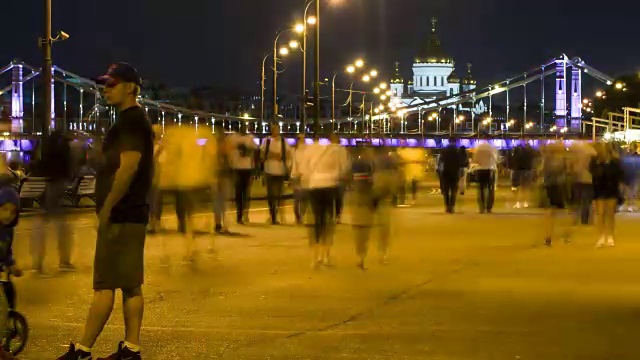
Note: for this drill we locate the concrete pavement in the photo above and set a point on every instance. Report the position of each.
(464, 286)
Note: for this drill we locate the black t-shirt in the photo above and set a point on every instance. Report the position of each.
(132, 132)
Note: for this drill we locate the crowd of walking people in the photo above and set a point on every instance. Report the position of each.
(590, 180)
(141, 164)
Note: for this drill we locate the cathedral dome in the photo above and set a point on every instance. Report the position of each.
(397, 78)
(469, 80)
(453, 78)
(432, 51)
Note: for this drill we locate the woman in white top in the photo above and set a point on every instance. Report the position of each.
(320, 170)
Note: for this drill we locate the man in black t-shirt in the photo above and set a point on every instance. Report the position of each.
(123, 183)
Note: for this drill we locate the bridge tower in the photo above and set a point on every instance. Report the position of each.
(576, 98)
(561, 92)
(17, 97)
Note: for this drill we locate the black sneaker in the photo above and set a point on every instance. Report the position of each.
(547, 241)
(123, 353)
(73, 354)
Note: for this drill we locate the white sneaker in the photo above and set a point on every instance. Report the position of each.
(517, 205)
(526, 204)
(600, 243)
(610, 242)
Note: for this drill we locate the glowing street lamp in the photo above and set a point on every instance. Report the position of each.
(312, 20)
(376, 91)
(294, 44)
(284, 51)
(383, 86)
(373, 73)
(359, 63)
(619, 85)
(383, 97)
(366, 78)
(351, 69)
(299, 28)
(599, 94)
(389, 93)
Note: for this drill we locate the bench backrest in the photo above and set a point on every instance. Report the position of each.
(87, 185)
(33, 187)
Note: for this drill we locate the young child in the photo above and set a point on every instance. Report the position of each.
(9, 207)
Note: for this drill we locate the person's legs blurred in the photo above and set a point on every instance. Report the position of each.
(414, 190)
(339, 203)
(609, 219)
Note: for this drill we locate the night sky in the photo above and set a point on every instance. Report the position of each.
(220, 43)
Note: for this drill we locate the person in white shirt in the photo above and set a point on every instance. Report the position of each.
(320, 169)
(278, 158)
(486, 158)
(242, 162)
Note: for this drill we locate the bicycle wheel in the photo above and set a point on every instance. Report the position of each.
(17, 333)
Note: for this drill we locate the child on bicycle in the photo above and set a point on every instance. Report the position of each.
(9, 209)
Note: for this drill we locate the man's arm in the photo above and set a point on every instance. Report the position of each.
(129, 161)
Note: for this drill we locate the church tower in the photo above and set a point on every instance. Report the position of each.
(397, 83)
(468, 83)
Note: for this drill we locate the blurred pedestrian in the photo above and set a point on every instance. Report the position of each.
(608, 177)
(522, 175)
(155, 195)
(554, 176)
(56, 162)
(581, 155)
(320, 169)
(462, 183)
(414, 165)
(277, 156)
(368, 207)
(631, 167)
(222, 189)
(243, 164)
(122, 203)
(9, 215)
(486, 159)
(385, 187)
(188, 174)
(449, 165)
(300, 201)
(341, 188)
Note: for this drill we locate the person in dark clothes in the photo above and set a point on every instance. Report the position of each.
(123, 183)
(56, 163)
(608, 176)
(521, 165)
(449, 165)
(464, 156)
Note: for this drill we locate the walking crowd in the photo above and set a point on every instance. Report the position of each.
(141, 165)
(589, 181)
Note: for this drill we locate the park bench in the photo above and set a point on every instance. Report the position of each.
(82, 187)
(31, 190)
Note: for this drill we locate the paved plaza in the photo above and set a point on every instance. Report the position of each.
(458, 287)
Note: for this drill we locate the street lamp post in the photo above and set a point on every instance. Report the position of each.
(316, 90)
(303, 113)
(262, 88)
(46, 43)
(47, 65)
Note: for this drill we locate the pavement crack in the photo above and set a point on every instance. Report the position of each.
(386, 301)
